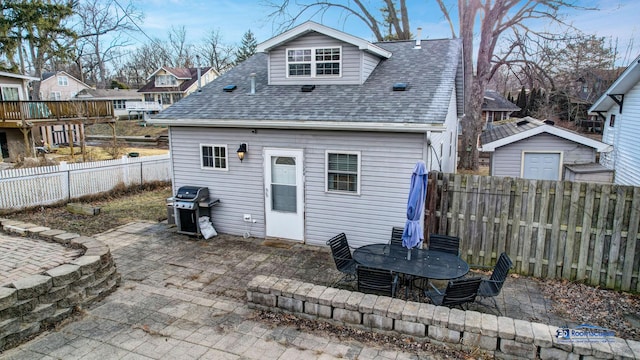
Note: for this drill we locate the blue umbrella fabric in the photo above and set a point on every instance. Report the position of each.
(413, 234)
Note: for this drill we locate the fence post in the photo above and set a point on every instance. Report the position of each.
(125, 170)
(66, 178)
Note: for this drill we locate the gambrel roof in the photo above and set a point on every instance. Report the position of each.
(432, 73)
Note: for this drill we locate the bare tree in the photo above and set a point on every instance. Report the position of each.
(217, 54)
(393, 16)
(101, 27)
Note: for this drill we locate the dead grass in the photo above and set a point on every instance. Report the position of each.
(97, 153)
(116, 208)
(125, 128)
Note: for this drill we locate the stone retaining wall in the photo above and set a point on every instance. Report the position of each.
(34, 303)
(500, 336)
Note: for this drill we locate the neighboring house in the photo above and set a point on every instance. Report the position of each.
(168, 85)
(496, 108)
(534, 149)
(13, 87)
(121, 99)
(619, 107)
(333, 126)
(59, 85)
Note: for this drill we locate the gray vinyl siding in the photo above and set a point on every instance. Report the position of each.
(624, 137)
(386, 165)
(369, 63)
(350, 67)
(507, 160)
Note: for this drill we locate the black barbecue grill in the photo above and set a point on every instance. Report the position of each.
(191, 202)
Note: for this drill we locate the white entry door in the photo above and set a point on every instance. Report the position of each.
(284, 194)
(541, 166)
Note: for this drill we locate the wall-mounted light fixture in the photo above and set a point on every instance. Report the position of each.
(242, 151)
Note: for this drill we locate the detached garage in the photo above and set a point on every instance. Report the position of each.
(534, 149)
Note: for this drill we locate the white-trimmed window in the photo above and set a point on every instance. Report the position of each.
(55, 95)
(119, 104)
(166, 80)
(314, 62)
(10, 93)
(63, 81)
(213, 157)
(343, 171)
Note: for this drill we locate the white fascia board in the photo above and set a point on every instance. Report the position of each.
(599, 146)
(623, 83)
(300, 124)
(310, 26)
(18, 76)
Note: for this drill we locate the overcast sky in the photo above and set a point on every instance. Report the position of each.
(615, 19)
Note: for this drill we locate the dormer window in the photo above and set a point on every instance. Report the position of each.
(166, 80)
(63, 81)
(314, 62)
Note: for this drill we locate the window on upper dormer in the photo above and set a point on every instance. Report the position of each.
(314, 62)
(63, 81)
(166, 80)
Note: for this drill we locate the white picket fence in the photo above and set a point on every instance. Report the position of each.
(23, 188)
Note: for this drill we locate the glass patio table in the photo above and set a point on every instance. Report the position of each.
(423, 263)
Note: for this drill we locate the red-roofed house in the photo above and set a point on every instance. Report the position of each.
(168, 85)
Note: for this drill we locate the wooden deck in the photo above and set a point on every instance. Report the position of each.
(20, 114)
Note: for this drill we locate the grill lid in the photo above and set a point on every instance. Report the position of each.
(193, 193)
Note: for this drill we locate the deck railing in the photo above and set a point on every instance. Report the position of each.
(54, 110)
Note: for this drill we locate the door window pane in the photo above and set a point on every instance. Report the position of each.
(283, 184)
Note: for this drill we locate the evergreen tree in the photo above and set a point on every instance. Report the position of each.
(522, 102)
(247, 48)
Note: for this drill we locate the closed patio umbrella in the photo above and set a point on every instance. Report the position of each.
(413, 234)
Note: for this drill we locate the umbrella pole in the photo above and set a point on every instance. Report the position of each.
(409, 254)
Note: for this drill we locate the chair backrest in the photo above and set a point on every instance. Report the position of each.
(340, 251)
(500, 271)
(396, 235)
(374, 281)
(461, 291)
(444, 243)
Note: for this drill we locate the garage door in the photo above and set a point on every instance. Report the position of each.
(543, 166)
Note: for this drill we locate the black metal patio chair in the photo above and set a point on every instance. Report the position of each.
(490, 288)
(396, 236)
(444, 243)
(458, 292)
(376, 281)
(342, 257)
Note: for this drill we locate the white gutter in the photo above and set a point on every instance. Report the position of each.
(300, 124)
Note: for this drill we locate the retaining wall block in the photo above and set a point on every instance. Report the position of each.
(265, 299)
(54, 295)
(314, 294)
(85, 241)
(600, 348)
(443, 334)
(553, 354)
(327, 296)
(65, 237)
(290, 304)
(41, 312)
(475, 340)
(101, 251)
(456, 319)
(396, 308)
(489, 325)
(425, 313)
(506, 328)
(73, 299)
(325, 311)
(347, 316)
(513, 347)
(410, 328)
(368, 303)
(354, 300)
(340, 299)
(265, 286)
(524, 333)
(249, 296)
(382, 305)
(87, 264)
(302, 291)
(441, 316)
(9, 326)
(277, 288)
(32, 286)
(635, 347)
(542, 335)
(19, 309)
(291, 288)
(374, 321)
(59, 315)
(255, 282)
(49, 234)
(16, 229)
(8, 297)
(310, 308)
(410, 311)
(37, 230)
(83, 282)
(64, 274)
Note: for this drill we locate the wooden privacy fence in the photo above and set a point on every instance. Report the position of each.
(22, 188)
(550, 229)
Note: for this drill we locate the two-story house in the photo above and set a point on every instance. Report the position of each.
(496, 107)
(168, 85)
(13, 87)
(59, 85)
(327, 128)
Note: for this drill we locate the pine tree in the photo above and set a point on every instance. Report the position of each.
(522, 102)
(247, 48)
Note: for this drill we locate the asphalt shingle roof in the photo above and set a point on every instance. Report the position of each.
(430, 73)
(189, 73)
(493, 101)
(505, 130)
